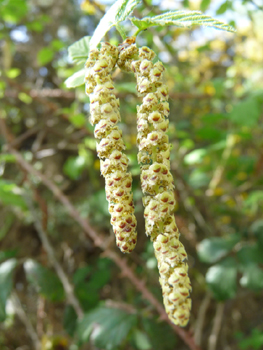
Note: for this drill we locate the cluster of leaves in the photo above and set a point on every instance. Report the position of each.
(120, 12)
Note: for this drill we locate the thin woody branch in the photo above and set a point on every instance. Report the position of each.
(26, 321)
(69, 290)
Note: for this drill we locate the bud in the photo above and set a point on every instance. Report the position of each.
(146, 53)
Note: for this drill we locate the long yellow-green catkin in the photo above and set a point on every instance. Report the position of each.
(156, 179)
(104, 110)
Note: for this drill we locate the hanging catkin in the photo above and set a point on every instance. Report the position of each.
(104, 110)
(156, 179)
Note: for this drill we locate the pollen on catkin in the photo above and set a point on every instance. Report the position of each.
(156, 178)
(104, 110)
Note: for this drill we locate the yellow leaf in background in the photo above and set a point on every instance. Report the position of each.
(218, 191)
(231, 203)
(87, 7)
(133, 139)
(209, 90)
(97, 164)
(218, 45)
(236, 152)
(244, 195)
(183, 55)
(242, 176)
(90, 7)
(176, 206)
(225, 219)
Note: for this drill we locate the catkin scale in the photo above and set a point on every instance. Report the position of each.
(156, 179)
(104, 110)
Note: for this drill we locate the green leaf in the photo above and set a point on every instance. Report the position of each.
(209, 133)
(250, 254)
(195, 156)
(118, 12)
(88, 281)
(246, 113)
(7, 157)
(45, 280)
(160, 334)
(7, 254)
(180, 19)
(6, 284)
(254, 201)
(45, 56)
(13, 73)
(35, 26)
(210, 250)
(70, 320)
(254, 341)
(10, 194)
(57, 44)
(198, 179)
(126, 87)
(219, 85)
(204, 5)
(78, 120)
(8, 221)
(141, 340)
(107, 327)
(79, 51)
(221, 279)
(252, 277)
(13, 10)
(223, 8)
(76, 79)
(257, 229)
(74, 166)
(27, 99)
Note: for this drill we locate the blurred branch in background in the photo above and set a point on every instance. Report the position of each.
(200, 320)
(217, 176)
(22, 315)
(217, 323)
(69, 290)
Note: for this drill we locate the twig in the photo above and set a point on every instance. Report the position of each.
(69, 290)
(256, 5)
(192, 209)
(120, 305)
(41, 95)
(25, 320)
(201, 319)
(230, 142)
(16, 142)
(41, 315)
(212, 340)
(100, 242)
(53, 93)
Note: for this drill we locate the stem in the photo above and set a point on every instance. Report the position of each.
(137, 32)
(23, 316)
(69, 290)
(212, 341)
(200, 321)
